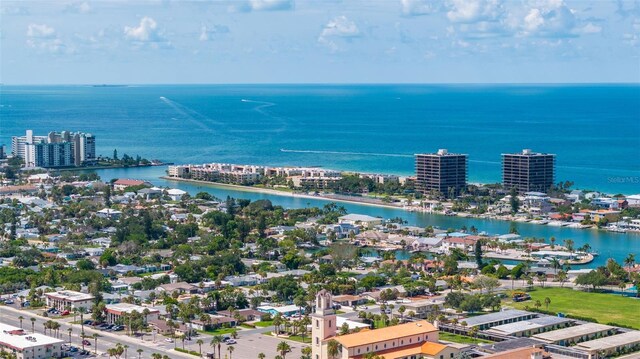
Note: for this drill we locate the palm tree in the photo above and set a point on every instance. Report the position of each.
(261, 356)
(230, 349)
(21, 318)
(156, 356)
(568, 244)
(69, 330)
(139, 353)
(283, 347)
(547, 301)
(125, 350)
(333, 348)
(95, 342)
(555, 263)
(33, 325)
(200, 342)
(629, 262)
(183, 337)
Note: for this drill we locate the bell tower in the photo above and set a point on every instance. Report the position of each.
(323, 324)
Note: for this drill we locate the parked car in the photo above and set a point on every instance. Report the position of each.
(66, 312)
(9, 301)
(168, 340)
(118, 328)
(230, 341)
(86, 342)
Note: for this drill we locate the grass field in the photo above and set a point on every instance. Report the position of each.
(604, 308)
(264, 323)
(462, 339)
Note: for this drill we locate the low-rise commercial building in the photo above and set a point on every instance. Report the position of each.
(576, 334)
(28, 345)
(527, 328)
(615, 344)
(483, 322)
(69, 300)
(115, 312)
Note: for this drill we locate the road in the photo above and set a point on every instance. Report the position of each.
(106, 340)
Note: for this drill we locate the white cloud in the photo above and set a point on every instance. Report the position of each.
(210, 32)
(146, 33)
(340, 26)
(471, 11)
(339, 29)
(262, 5)
(419, 7)
(41, 31)
(549, 18)
(44, 38)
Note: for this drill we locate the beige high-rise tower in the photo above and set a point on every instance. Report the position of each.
(323, 324)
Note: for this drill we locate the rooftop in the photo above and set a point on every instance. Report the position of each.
(15, 337)
(572, 332)
(70, 295)
(534, 323)
(359, 218)
(388, 333)
(496, 317)
(128, 308)
(427, 348)
(613, 341)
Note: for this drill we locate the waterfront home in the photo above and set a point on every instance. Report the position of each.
(466, 243)
(175, 194)
(633, 201)
(122, 183)
(425, 243)
(365, 221)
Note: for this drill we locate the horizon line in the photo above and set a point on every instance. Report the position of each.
(107, 84)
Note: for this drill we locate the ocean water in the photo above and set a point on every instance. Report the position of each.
(593, 130)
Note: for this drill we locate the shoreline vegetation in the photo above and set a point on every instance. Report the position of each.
(368, 201)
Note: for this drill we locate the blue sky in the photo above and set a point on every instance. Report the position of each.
(292, 41)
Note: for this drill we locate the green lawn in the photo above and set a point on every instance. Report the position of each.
(462, 339)
(295, 338)
(605, 308)
(264, 323)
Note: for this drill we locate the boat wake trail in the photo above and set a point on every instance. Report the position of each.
(190, 115)
(348, 153)
(261, 109)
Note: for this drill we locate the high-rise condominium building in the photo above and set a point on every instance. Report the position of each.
(441, 171)
(528, 171)
(57, 149)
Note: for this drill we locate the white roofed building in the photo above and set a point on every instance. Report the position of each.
(28, 345)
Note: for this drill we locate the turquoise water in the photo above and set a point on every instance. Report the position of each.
(607, 244)
(594, 130)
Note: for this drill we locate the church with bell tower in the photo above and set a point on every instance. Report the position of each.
(323, 323)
